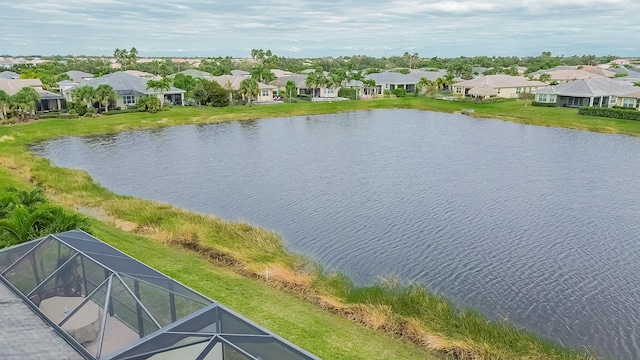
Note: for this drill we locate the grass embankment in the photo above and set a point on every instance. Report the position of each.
(167, 237)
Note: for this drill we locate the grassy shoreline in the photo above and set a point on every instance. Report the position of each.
(407, 312)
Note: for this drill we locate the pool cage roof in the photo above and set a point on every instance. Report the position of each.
(108, 305)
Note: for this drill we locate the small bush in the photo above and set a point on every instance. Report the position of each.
(541, 104)
(624, 114)
(400, 92)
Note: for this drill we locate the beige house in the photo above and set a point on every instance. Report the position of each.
(267, 93)
(629, 100)
(600, 92)
(505, 86)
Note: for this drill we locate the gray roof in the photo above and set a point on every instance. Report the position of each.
(299, 80)
(23, 334)
(79, 76)
(9, 75)
(126, 84)
(388, 77)
(588, 88)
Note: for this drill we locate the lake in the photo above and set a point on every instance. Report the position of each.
(538, 225)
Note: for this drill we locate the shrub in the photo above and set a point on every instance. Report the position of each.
(78, 107)
(400, 92)
(148, 103)
(541, 104)
(624, 114)
(91, 111)
(348, 93)
(190, 102)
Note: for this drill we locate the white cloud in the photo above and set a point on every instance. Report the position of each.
(331, 27)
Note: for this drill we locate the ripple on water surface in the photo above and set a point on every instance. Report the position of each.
(535, 224)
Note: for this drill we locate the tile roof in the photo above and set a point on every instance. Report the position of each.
(9, 75)
(588, 88)
(78, 76)
(501, 81)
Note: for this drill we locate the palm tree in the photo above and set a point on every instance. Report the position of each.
(439, 84)
(249, 88)
(20, 226)
(159, 86)
(423, 85)
(104, 93)
(5, 102)
(316, 79)
(25, 100)
(85, 93)
(262, 74)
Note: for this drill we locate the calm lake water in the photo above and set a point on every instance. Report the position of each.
(538, 225)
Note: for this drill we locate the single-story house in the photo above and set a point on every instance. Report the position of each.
(431, 75)
(129, 89)
(302, 88)
(506, 86)
(267, 93)
(565, 75)
(388, 80)
(600, 92)
(48, 101)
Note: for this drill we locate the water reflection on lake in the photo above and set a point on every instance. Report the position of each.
(539, 225)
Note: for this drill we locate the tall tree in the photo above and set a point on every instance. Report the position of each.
(290, 90)
(5, 102)
(159, 86)
(262, 74)
(26, 99)
(105, 93)
(249, 88)
(316, 79)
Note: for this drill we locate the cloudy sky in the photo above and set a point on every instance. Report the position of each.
(306, 28)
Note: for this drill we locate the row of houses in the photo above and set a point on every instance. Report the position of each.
(130, 85)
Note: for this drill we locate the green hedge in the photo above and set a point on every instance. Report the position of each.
(348, 93)
(624, 114)
(542, 104)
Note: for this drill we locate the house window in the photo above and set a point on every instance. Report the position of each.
(129, 100)
(628, 103)
(330, 91)
(458, 90)
(518, 90)
(265, 92)
(613, 100)
(542, 97)
(552, 98)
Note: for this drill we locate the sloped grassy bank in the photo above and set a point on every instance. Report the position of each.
(175, 238)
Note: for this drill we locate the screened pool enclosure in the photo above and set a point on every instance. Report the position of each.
(108, 305)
